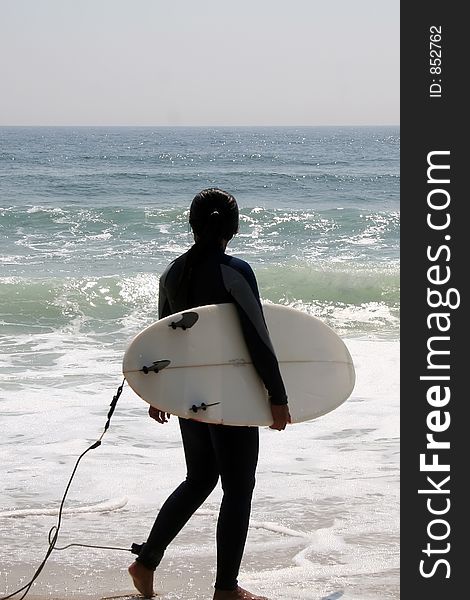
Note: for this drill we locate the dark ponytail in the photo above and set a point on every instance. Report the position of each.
(213, 216)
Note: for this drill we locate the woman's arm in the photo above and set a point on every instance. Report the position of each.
(242, 285)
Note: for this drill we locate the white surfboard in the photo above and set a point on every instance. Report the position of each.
(195, 364)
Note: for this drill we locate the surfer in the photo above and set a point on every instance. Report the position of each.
(204, 275)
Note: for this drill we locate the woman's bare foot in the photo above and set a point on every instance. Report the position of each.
(142, 578)
(238, 594)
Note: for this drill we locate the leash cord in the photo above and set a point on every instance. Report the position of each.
(54, 531)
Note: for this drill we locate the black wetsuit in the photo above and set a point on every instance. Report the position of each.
(213, 450)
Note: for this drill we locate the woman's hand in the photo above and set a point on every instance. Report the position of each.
(281, 416)
(159, 415)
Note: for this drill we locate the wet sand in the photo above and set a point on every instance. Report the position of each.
(65, 582)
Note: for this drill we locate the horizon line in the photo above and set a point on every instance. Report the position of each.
(203, 126)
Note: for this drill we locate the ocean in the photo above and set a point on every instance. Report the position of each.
(89, 218)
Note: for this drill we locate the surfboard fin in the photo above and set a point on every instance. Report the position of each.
(157, 365)
(187, 321)
(202, 406)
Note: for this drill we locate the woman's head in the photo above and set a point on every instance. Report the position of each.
(213, 216)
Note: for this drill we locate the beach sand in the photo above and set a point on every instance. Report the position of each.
(115, 584)
(57, 582)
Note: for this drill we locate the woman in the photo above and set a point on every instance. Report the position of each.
(206, 275)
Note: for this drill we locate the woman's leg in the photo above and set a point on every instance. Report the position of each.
(236, 450)
(202, 476)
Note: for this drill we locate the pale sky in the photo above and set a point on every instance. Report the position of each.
(199, 62)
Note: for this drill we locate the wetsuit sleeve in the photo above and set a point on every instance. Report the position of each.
(163, 303)
(243, 289)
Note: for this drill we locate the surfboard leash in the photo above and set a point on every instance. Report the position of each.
(54, 531)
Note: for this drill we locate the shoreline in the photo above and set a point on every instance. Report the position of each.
(174, 580)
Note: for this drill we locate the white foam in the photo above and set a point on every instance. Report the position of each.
(105, 506)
